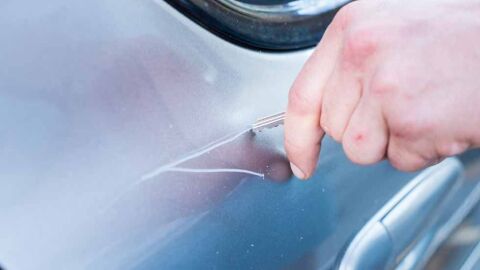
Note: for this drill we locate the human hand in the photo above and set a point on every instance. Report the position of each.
(396, 79)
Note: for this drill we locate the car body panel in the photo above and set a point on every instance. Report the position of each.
(94, 94)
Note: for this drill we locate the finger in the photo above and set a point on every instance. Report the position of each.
(340, 99)
(403, 158)
(302, 126)
(366, 136)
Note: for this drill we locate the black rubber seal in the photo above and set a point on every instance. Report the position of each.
(257, 31)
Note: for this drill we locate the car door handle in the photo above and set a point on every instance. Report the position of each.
(394, 230)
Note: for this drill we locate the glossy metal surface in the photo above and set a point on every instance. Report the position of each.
(94, 94)
(394, 230)
(457, 239)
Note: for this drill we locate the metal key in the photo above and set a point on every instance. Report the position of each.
(268, 122)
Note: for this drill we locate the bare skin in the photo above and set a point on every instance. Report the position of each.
(396, 79)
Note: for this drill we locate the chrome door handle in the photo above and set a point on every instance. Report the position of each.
(392, 232)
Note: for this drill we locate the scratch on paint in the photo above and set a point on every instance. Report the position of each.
(214, 170)
(172, 166)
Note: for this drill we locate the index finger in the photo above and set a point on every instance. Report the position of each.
(303, 133)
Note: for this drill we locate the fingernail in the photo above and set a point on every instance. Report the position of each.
(298, 173)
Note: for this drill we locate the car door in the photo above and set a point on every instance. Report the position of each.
(100, 98)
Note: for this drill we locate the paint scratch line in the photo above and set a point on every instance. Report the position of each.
(214, 170)
(209, 147)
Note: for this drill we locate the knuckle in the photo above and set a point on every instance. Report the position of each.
(344, 17)
(359, 45)
(450, 148)
(397, 163)
(300, 101)
(355, 156)
(406, 161)
(406, 126)
(408, 165)
(354, 153)
(351, 154)
(384, 85)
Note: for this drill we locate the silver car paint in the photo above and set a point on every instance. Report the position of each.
(94, 94)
